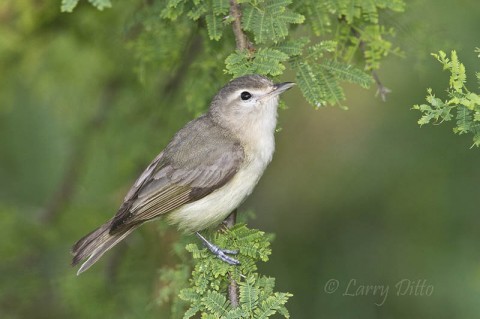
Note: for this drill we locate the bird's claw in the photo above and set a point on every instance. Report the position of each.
(222, 254)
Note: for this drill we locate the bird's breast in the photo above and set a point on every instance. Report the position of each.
(215, 207)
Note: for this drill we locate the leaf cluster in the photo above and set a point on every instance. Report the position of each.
(317, 40)
(319, 76)
(462, 104)
(356, 26)
(207, 288)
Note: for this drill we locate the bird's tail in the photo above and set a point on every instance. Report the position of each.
(97, 243)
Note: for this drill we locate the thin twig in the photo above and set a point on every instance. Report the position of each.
(382, 90)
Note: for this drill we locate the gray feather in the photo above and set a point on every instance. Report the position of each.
(95, 244)
(102, 247)
(201, 158)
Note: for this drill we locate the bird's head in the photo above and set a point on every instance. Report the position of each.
(248, 103)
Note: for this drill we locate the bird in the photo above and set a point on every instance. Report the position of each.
(204, 173)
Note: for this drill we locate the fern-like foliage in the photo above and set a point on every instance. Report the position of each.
(335, 33)
(269, 21)
(357, 24)
(206, 290)
(462, 104)
(267, 61)
(319, 76)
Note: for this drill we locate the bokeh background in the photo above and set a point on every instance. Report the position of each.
(364, 194)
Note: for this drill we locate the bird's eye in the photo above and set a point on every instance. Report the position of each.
(245, 95)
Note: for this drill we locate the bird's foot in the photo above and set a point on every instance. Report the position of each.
(220, 253)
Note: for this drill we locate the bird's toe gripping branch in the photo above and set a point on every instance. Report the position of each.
(220, 253)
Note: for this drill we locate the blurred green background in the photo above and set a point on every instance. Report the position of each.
(363, 194)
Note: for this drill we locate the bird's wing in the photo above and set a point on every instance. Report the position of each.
(142, 178)
(192, 166)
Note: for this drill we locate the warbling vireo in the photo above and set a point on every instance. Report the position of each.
(205, 172)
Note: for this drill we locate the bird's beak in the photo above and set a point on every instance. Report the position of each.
(279, 88)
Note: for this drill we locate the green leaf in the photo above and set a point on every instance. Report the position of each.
(269, 20)
(192, 311)
(271, 305)
(188, 294)
(235, 313)
(220, 7)
(476, 140)
(464, 120)
(318, 50)
(308, 84)
(68, 5)
(330, 88)
(317, 14)
(101, 4)
(425, 119)
(173, 9)
(248, 294)
(292, 47)
(474, 100)
(269, 62)
(198, 11)
(458, 76)
(215, 302)
(264, 61)
(319, 86)
(214, 26)
(266, 285)
(476, 116)
(347, 72)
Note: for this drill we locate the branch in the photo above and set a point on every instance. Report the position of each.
(381, 89)
(229, 222)
(233, 292)
(240, 38)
